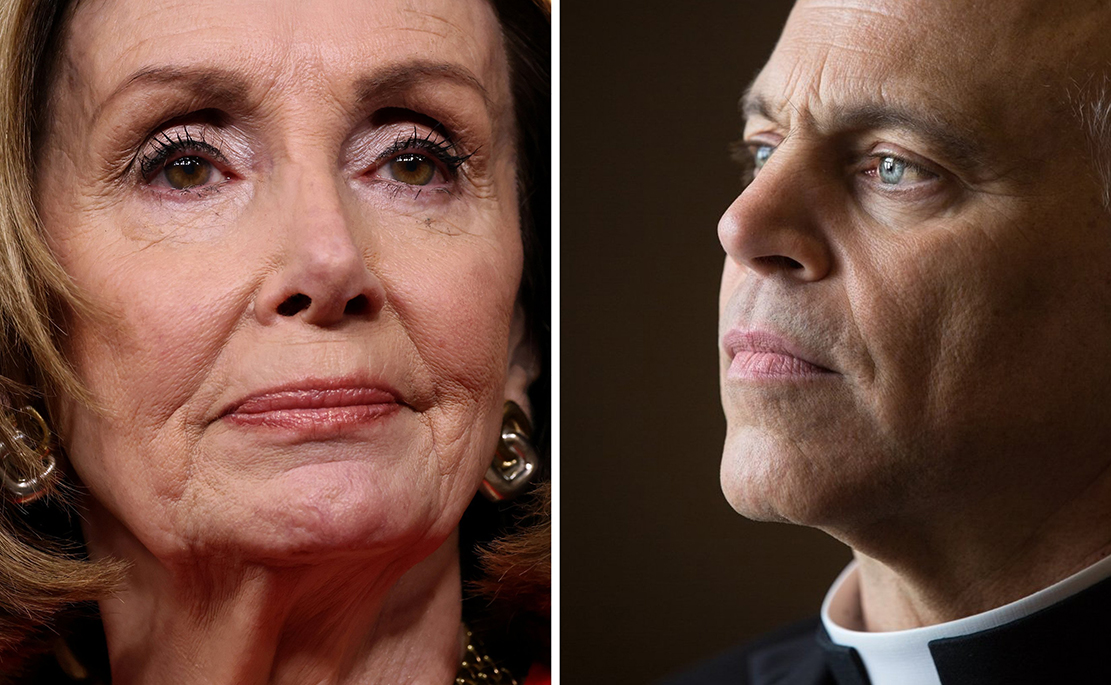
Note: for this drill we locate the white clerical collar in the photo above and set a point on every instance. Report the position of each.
(902, 657)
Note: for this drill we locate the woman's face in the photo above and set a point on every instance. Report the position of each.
(297, 224)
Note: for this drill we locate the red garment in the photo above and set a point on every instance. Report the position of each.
(539, 675)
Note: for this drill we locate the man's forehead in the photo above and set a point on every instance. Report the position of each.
(962, 18)
(1002, 68)
(978, 36)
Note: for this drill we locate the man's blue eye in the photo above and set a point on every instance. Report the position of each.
(761, 155)
(891, 170)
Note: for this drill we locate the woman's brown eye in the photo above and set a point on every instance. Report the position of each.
(188, 172)
(413, 169)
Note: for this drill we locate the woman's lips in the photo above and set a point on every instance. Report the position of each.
(314, 408)
(759, 355)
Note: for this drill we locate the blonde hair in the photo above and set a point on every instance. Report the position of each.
(39, 576)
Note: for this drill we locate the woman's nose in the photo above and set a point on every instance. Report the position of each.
(323, 276)
(775, 228)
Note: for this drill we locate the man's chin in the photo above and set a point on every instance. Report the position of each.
(773, 480)
(753, 499)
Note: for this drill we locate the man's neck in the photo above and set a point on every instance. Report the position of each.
(939, 576)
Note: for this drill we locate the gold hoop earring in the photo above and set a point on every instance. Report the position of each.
(23, 490)
(515, 460)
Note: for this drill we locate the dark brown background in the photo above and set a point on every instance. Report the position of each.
(656, 569)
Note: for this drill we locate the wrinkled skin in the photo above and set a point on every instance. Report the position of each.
(306, 252)
(962, 304)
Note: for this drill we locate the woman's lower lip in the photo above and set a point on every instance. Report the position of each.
(316, 418)
(773, 366)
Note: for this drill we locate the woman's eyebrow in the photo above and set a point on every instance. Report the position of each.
(210, 83)
(398, 78)
(218, 84)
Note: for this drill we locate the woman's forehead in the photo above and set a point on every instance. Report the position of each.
(338, 48)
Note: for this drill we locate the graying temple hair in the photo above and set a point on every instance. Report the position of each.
(1091, 103)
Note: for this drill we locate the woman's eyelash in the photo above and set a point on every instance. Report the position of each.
(443, 150)
(165, 145)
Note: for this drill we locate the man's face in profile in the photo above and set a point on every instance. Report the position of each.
(915, 311)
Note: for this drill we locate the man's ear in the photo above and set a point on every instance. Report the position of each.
(524, 362)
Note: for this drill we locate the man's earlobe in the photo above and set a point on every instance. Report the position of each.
(524, 362)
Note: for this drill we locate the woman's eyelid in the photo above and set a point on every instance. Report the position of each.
(182, 140)
(440, 153)
(369, 154)
(429, 141)
(204, 143)
(160, 159)
(372, 153)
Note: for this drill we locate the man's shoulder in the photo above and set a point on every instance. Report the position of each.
(790, 656)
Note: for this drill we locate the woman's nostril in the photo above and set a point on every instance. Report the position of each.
(294, 304)
(357, 305)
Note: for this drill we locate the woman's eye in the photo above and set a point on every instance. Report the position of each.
(188, 172)
(181, 159)
(412, 169)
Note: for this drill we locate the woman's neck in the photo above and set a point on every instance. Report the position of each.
(344, 621)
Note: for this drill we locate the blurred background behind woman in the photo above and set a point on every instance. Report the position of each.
(271, 273)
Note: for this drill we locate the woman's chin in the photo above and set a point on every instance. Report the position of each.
(326, 511)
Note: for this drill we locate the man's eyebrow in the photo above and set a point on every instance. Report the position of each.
(752, 104)
(955, 142)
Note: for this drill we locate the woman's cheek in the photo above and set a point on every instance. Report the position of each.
(157, 346)
(457, 305)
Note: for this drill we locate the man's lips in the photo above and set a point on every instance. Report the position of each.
(319, 406)
(758, 354)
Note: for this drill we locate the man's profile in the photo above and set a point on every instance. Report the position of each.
(915, 338)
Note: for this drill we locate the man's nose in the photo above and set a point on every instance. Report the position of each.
(322, 275)
(775, 227)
